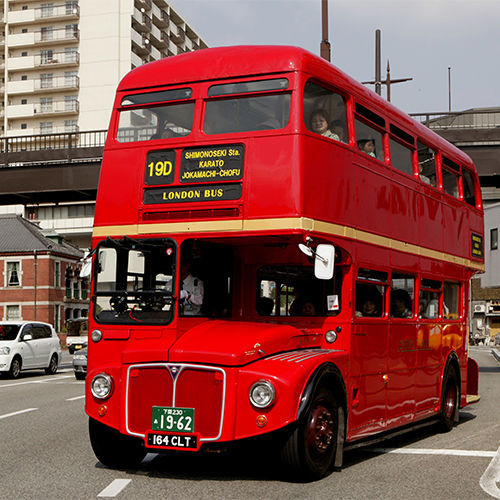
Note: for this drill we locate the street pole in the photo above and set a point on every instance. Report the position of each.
(378, 85)
(449, 89)
(325, 44)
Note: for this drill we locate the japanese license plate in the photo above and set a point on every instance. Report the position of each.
(190, 442)
(172, 419)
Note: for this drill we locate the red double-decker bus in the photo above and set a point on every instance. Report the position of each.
(278, 252)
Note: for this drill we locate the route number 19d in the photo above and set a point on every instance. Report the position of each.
(160, 168)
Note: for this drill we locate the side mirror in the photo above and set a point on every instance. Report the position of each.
(27, 337)
(324, 261)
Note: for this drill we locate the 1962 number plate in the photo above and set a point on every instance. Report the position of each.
(172, 419)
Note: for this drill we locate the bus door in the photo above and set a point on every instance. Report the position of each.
(401, 361)
(369, 354)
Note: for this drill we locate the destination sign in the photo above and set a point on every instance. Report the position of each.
(212, 163)
(160, 167)
(180, 194)
(477, 245)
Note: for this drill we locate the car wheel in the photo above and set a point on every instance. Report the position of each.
(114, 449)
(309, 451)
(71, 350)
(449, 401)
(15, 367)
(52, 368)
(79, 376)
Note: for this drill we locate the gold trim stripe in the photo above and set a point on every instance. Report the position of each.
(281, 224)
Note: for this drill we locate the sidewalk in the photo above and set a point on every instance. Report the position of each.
(496, 352)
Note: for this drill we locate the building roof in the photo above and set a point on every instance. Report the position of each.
(20, 235)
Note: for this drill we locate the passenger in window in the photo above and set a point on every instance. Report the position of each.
(192, 291)
(338, 129)
(308, 309)
(400, 304)
(369, 309)
(422, 306)
(368, 147)
(265, 306)
(423, 177)
(320, 124)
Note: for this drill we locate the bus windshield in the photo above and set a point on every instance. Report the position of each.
(134, 281)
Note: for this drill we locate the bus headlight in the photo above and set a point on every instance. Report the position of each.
(101, 386)
(96, 336)
(262, 394)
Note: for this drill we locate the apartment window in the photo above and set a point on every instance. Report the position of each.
(46, 56)
(494, 239)
(24, 7)
(70, 103)
(46, 127)
(46, 80)
(57, 274)
(70, 54)
(47, 33)
(46, 104)
(24, 101)
(70, 126)
(24, 126)
(76, 290)
(12, 312)
(71, 30)
(13, 274)
(24, 77)
(24, 54)
(71, 8)
(47, 9)
(24, 30)
(70, 78)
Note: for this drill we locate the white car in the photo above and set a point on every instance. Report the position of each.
(28, 345)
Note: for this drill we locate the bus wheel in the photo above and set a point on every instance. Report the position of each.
(309, 451)
(449, 401)
(114, 449)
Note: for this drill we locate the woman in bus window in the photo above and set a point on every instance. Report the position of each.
(400, 304)
(320, 124)
(367, 146)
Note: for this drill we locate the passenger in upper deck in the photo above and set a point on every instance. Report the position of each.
(368, 147)
(338, 128)
(319, 123)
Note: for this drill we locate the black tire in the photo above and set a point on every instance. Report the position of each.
(71, 350)
(53, 363)
(309, 451)
(113, 449)
(449, 401)
(15, 367)
(79, 376)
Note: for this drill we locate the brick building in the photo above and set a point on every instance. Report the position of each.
(40, 275)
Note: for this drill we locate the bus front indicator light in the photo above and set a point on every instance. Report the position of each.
(262, 394)
(101, 386)
(261, 421)
(102, 410)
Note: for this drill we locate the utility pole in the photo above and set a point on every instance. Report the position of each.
(449, 90)
(388, 82)
(325, 44)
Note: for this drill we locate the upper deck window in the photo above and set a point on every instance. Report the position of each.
(369, 140)
(451, 176)
(324, 112)
(426, 164)
(248, 87)
(401, 157)
(245, 114)
(468, 187)
(161, 121)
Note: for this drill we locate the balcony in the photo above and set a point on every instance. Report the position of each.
(140, 44)
(43, 85)
(143, 4)
(141, 22)
(156, 38)
(43, 14)
(178, 35)
(50, 37)
(57, 60)
(160, 17)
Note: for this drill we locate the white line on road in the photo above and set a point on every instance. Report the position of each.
(75, 398)
(54, 379)
(17, 413)
(114, 488)
(432, 451)
(491, 477)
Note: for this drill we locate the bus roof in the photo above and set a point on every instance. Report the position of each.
(251, 60)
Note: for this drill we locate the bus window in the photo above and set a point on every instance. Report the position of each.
(134, 281)
(157, 122)
(402, 294)
(451, 302)
(244, 114)
(247, 87)
(450, 182)
(429, 299)
(294, 291)
(426, 164)
(468, 187)
(324, 112)
(401, 157)
(369, 140)
(371, 289)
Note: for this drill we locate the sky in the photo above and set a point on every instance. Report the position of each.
(420, 38)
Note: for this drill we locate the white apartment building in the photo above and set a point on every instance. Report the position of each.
(61, 61)
(60, 64)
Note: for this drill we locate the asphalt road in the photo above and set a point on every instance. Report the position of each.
(45, 454)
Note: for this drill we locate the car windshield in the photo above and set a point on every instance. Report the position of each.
(9, 332)
(134, 281)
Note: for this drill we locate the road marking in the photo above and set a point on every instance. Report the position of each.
(114, 488)
(75, 398)
(432, 451)
(54, 379)
(17, 413)
(491, 477)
